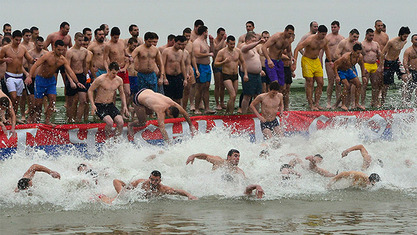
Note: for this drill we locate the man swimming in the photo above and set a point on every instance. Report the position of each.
(26, 181)
(314, 160)
(357, 179)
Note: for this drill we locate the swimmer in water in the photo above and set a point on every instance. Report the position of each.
(288, 169)
(231, 164)
(359, 179)
(26, 181)
(314, 160)
(87, 170)
(366, 157)
(152, 187)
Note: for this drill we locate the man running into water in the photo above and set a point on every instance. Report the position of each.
(271, 103)
(314, 160)
(219, 43)
(230, 164)
(311, 66)
(371, 55)
(410, 65)
(357, 179)
(392, 63)
(103, 104)
(26, 181)
(365, 155)
(345, 71)
(151, 186)
(147, 101)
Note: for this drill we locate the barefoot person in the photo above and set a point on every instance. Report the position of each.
(271, 103)
(311, 66)
(45, 81)
(152, 187)
(97, 48)
(410, 65)
(147, 101)
(6, 106)
(219, 43)
(356, 179)
(371, 55)
(345, 71)
(103, 104)
(26, 181)
(230, 164)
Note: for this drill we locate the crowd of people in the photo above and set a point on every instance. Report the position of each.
(175, 77)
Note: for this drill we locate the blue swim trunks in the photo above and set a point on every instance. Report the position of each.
(44, 86)
(134, 84)
(149, 81)
(205, 73)
(348, 74)
(100, 72)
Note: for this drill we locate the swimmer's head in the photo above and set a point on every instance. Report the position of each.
(380, 163)
(285, 166)
(264, 153)
(373, 178)
(172, 112)
(155, 178)
(227, 177)
(82, 167)
(24, 183)
(233, 157)
(318, 158)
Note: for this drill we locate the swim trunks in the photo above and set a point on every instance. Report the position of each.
(175, 88)
(233, 77)
(253, 86)
(44, 86)
(311, 67)
(69, 91)
(277, 72)
(265, 79)
(148, 80)
(269, 125)
(288, 75)
(216, 69)
(30, 89)
(61, 69)
(134, 84)
(390, 68)
(371, 68)
(14, 82)
(346, 74)
(205, 73)
(106, 109)
(412, 83)
(125, 76)
(83, 80)
(135, 98)
(100, 72)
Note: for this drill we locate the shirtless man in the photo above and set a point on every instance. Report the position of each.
(114, 51)
(6, 106)
(103, 104)
(380, 36)
(202, 52)
(250, 27)
(146, 58)
(133, 74)
(134, 33)
(252, 83)
(314, 26)
(77, 57)
(334, 38)
(288, 74)
(191, 64)
(97, 48)
(345, 71)
(311, 66)
(228, 59)
(410, 65)
(4, 42)
(13, 55)
(365, 155)
(371, 55)
(35, 33)
(194, 33)
(392, 64)
(147, 100)
(273, 50)
(45, 82)
(358, 179)
(265, 79)
(170, 43)
(26, 181)
(271, 103)
(62, 35)
(231, 165)
(176, 74)
(87, 32)
(314, 160)
(152, 187)
(106, 31)
(219, 43)
(27, 90)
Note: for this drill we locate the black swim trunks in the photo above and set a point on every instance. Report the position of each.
(269, 125)
(265, 79)
(288, 75)
(106, 109)
(83, 80)
(233, 77)
(61, 69)
(69, 91)
(390, 68)
(175, 88)
(135, 98)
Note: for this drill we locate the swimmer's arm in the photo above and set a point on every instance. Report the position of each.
(71, 73)
(161, 125)
(281, 104)
(168, 190)
(366, 157)
(187, 118)
(134, 184)
(253, 104)
(183, 68)
(30, 173)
(243, 65)
(336, 66)
(48, 41)
(385, 51)
(259, 191)
(339, 49)
(322, 171)
(215, 160)
(90, 93)
(125, 111)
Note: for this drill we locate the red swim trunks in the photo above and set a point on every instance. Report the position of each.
(124, 76)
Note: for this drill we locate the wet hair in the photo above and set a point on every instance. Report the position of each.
(114, 66)
(265, 32)
(232, 151)
(353, 31)
(156, 173)
(201, 30)
(288, 27)
(85, 30)
(198, 23)
(149, 35)
(250, 22)
(33, 28)
(63, 24)
(186, 30)
(230, 38)
(115, 31)
(249, 36)
(81, 166)
(274, 86)
(4, 101)
(59, 43)
(17, 33)
(23, 183)
(96, 31)
(25, 31)
(404, 30)
(414, 35)
(335, 22)
(78, 35)
(368, 31)
(6, 25)
(322, 29)
(171, 37)
(285, 166)
(357, 47)
(374, 177)
(131, 27)
(180, 38)
(6, 40)
(220, 30)
(39, 39)
(174, 111)
(318, 155)
(132, 40)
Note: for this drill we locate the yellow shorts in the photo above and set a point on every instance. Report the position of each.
(311, 67)
(371, 68)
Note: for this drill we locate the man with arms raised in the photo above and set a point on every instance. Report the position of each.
(103, 104)
(26, 181)
(219, 43)
(271, 103)
(97, 48)
(371, 55)
(410, 65)
(311, 66)
(230, 164)
(392, 64)
(45, 81)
